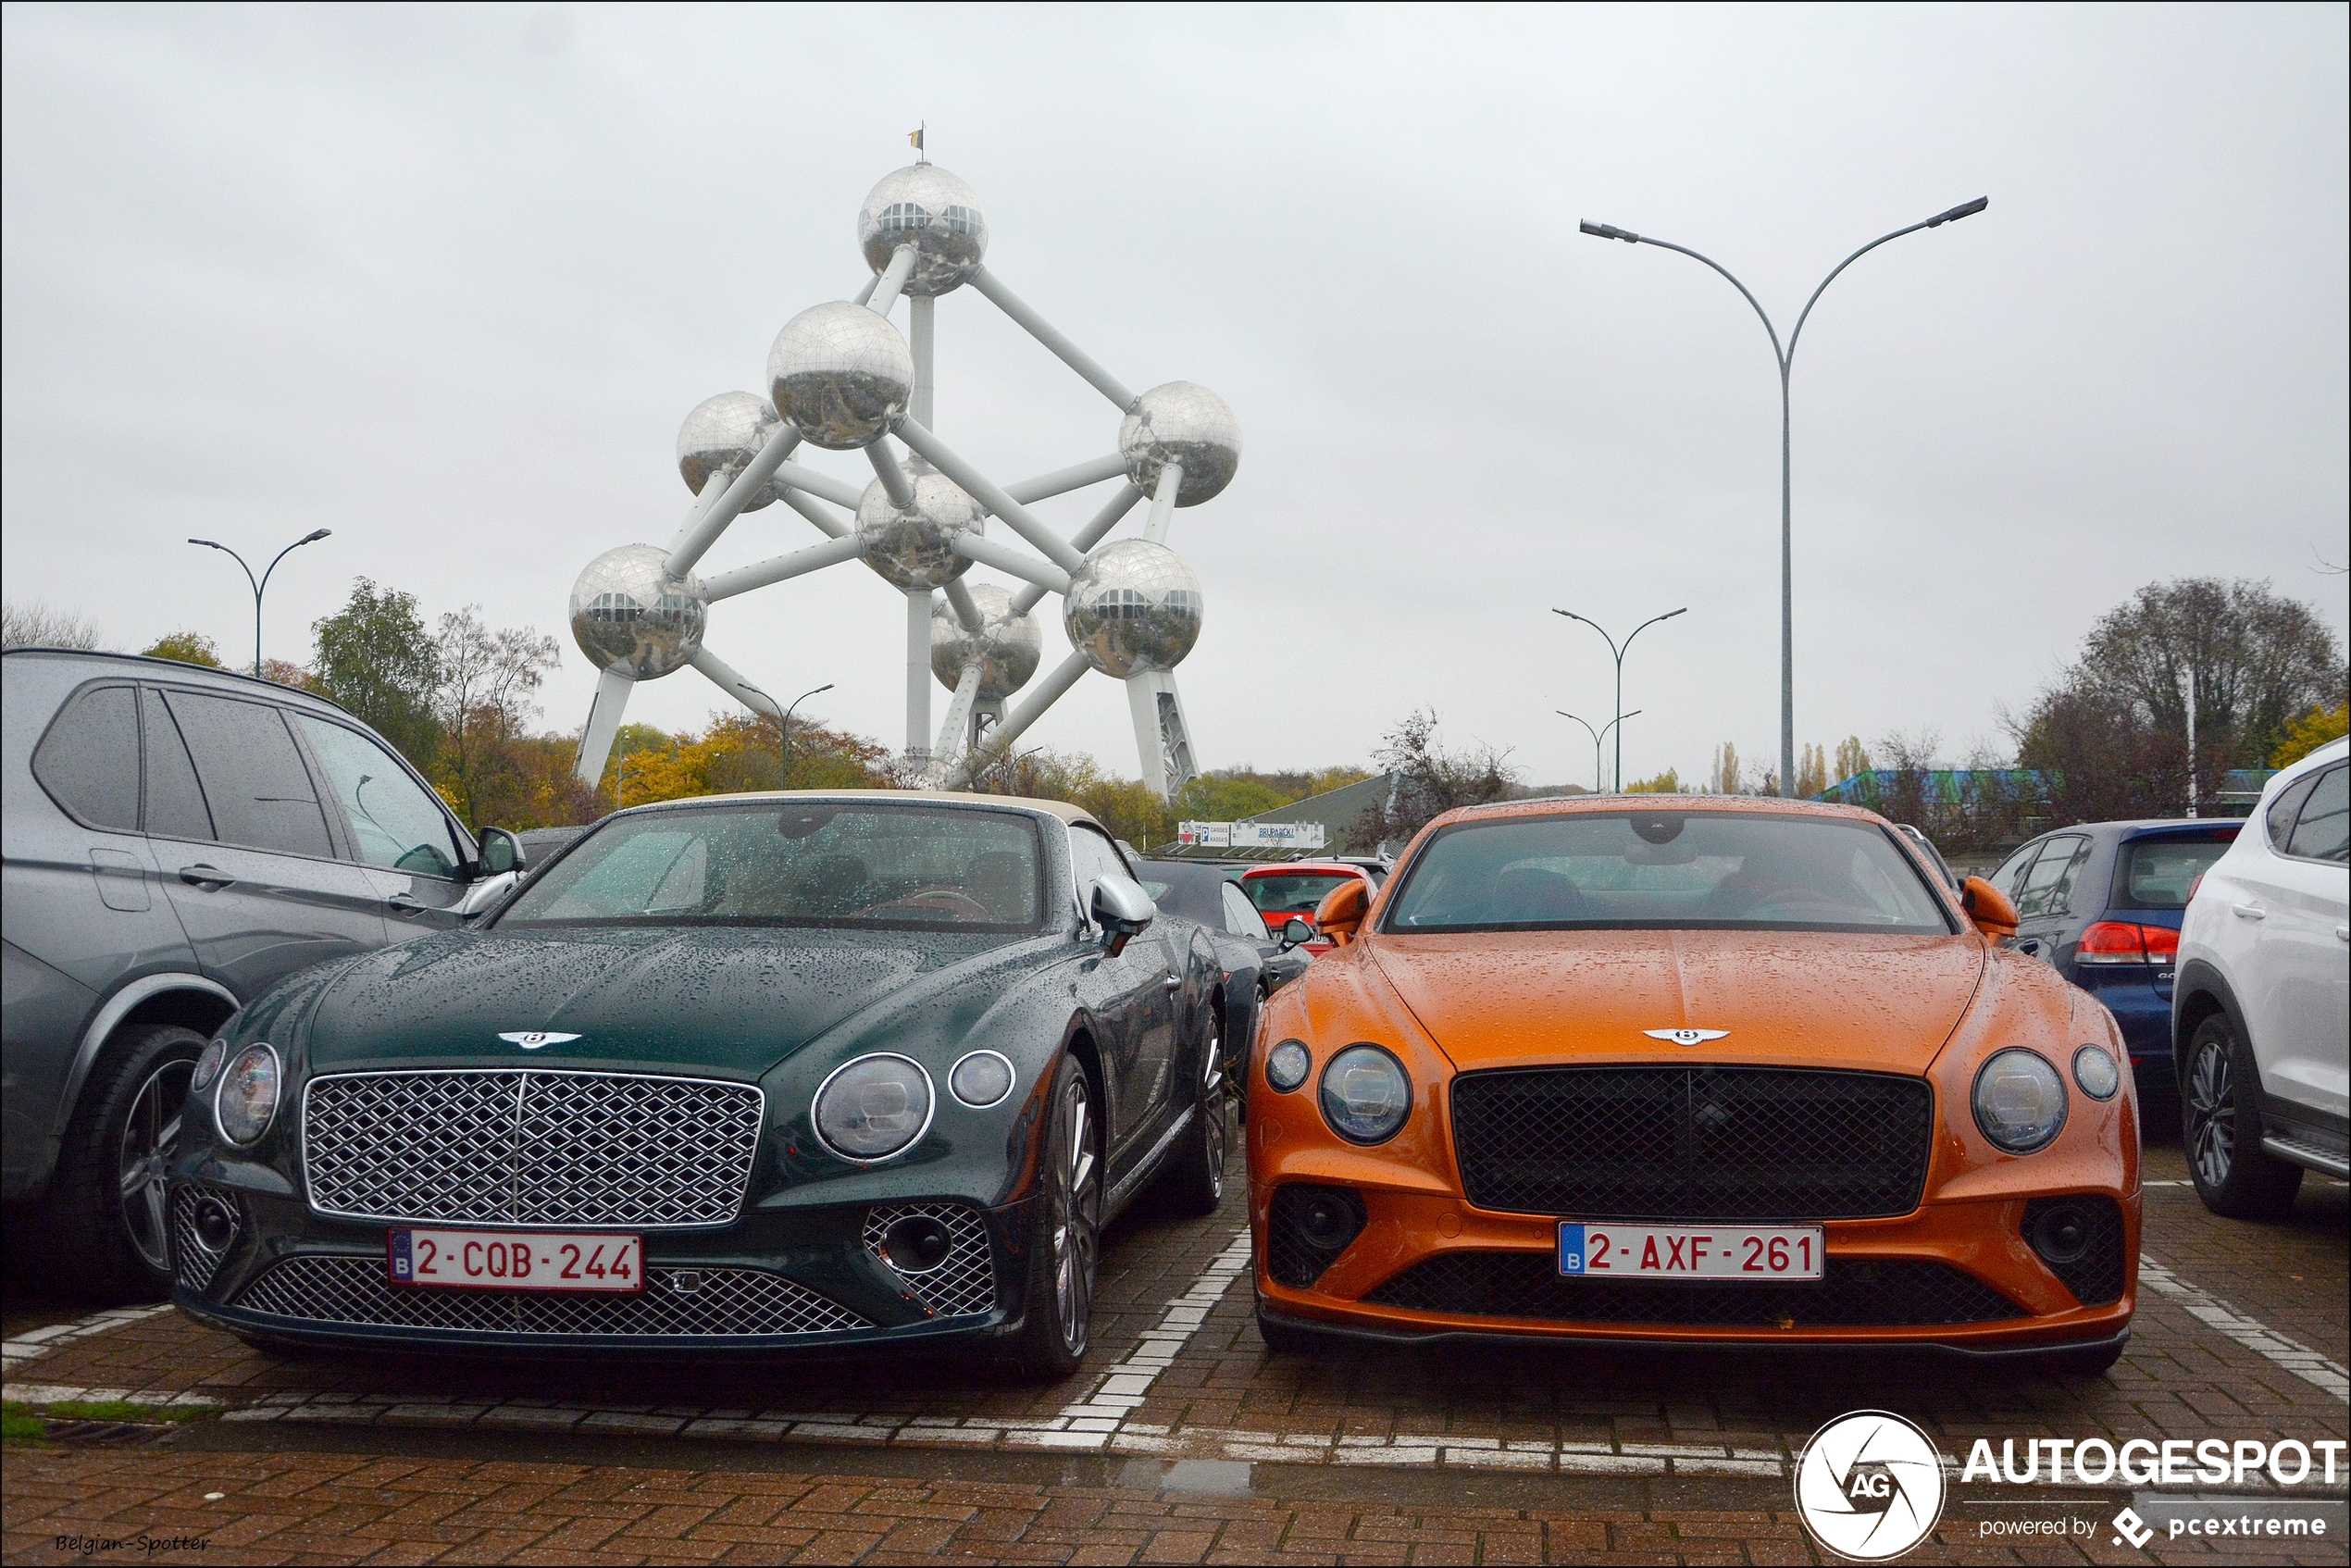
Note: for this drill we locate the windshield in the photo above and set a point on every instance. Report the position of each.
(858, 865)
(1677, 870)
(1294, 892)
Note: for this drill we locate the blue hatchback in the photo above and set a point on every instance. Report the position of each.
(2102, 902)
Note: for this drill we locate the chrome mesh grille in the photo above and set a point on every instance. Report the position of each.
(529, 1148)
(724, 1303)
(960, 1283)
(194, 1262)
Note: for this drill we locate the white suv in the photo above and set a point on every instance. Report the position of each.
(2261, 1013)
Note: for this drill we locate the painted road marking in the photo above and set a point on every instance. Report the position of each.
(25, 1347)
(2300, 1359)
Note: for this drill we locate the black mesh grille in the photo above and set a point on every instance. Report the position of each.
(2095, 1274)
(1296, 1253)
(1695, 1143)
(1857, 1293)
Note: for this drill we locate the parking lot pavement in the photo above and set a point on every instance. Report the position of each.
(1507, 1454)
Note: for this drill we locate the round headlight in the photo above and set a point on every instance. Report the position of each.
(981, 1079)
(2096, 1073)
(208, 1065)
(2020, 1101)
(1287, 1065)
(1365, 1094)
(873, 1107)
(247, 1098)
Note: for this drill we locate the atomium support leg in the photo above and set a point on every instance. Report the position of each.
(604, 723)
(742, 580)
(959, 594)
(1162, 737)
(1046, 693)
(731, 680)
(1069, 353)
(840, 492)
(1171, 478)
(989, 494)
(954, 731)
(894, 482)
(1084, 540)
(805, 504)
(1005, 558)
(728, 506)
(1078, 476)
(918, 607)
(893, 279)
(922, 312)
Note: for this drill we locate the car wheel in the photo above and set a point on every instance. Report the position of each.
(2220, 1127)
(1065, 1243)
(110, 1228)
(1195, 1180)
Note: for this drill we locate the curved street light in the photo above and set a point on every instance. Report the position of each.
(311, 538)
(783, 745)
(1597, 736)
(1618, 649)
(1786, 357)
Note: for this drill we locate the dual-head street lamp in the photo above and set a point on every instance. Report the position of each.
(313, 536)
(1618, 649)
(1786, 356)
(1600, 775)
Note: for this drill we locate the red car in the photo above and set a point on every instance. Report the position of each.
(1290, 891)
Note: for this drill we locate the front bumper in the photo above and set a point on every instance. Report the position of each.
(1974, 1254)
(778, 1279)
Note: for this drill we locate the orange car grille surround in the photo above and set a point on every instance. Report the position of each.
(1693, 1143)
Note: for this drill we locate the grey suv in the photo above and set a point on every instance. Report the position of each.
(178, 839)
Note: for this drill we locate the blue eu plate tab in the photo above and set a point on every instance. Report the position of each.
(1571, 1249)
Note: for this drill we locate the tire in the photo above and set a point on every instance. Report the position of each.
(2221, 1128)
(107, 1228)
(1065, 1237)
(2086, 1364)
(1194, 1183)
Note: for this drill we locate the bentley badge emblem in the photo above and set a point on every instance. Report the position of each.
(1679, 1037)
(531, 1040)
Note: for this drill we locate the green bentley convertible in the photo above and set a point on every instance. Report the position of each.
(735, 1075)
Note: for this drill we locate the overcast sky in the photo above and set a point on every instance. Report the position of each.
(447, 281)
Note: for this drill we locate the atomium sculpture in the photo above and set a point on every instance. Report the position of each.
(840, 377)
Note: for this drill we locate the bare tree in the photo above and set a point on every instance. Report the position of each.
(1430, 779)
(37, 626)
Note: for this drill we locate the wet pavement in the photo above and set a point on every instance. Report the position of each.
(1181, 1440)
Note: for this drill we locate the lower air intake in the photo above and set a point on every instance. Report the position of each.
(1856, 1293)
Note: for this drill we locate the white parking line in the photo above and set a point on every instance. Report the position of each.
(16, 1352)
(2300, 1359)
(1119, 1392)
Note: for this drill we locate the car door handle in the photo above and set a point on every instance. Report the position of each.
(1172, 983)
(2248, 912)
(209, 878)
(400, 903)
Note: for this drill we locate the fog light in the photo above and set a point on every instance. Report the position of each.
(916, 1244)
(215, 1224)
(2061, 1233)
(1327, 1221)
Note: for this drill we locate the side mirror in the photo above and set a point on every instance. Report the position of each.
(1340, 914)
(1121, 909)
(1296, 933)
(1989, 908)
(501, 853)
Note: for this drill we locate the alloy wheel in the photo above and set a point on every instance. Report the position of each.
(1073, 1212)
(2212, 1115)
(149, 1134)
(1212, 1105)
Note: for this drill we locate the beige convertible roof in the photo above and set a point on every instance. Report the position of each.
(1062, 809)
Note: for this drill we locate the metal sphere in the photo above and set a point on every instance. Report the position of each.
(722, 435)
(1133, 607)
(1006, 647)
(629, 614)
(841, 375)
(914, 547)
(1181, 423)
(937, 212)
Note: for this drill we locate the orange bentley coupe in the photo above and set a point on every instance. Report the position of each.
(1719, 1071)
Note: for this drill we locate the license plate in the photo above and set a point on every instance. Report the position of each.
(511, 1260)
(1722, 1251)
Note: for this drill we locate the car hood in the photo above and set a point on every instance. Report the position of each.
(1493, 999)
(731, 999)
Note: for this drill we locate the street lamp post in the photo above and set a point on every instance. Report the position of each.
(1597, 736)
(311, 538)
(783, 746)
(1785, 357)
(1618, 649)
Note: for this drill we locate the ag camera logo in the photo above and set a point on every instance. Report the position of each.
(1870, 1486)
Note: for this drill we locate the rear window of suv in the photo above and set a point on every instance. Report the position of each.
(2158, 873)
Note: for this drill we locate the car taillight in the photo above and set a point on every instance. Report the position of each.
(2123, 941)
(2192, 886)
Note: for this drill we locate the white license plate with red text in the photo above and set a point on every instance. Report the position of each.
(1725, 1251)
(511, 1260)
